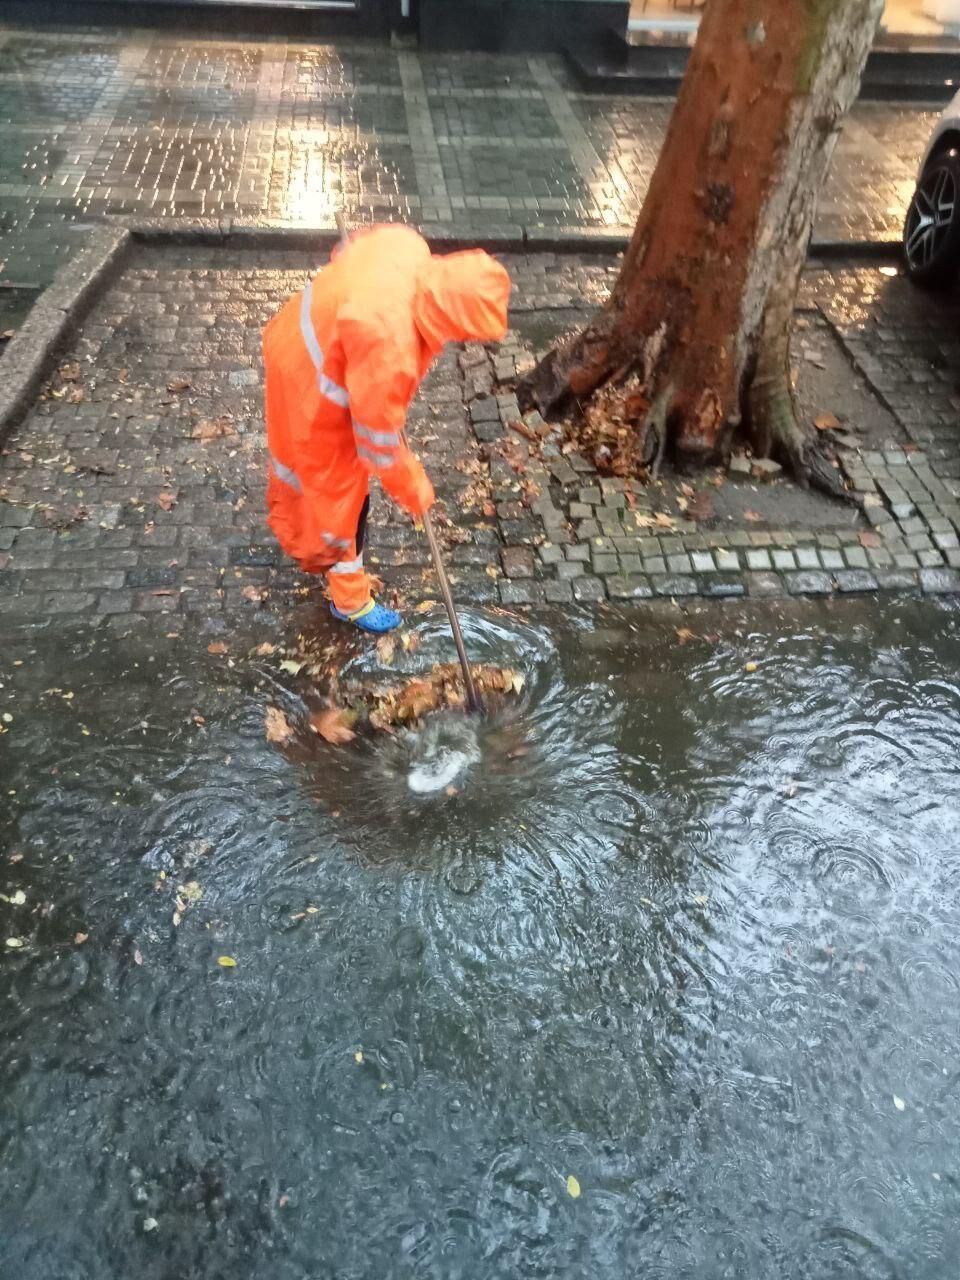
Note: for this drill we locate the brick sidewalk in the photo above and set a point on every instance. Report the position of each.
(114, 505)
(148, 123)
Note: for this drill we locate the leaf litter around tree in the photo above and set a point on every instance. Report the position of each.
(831, 397)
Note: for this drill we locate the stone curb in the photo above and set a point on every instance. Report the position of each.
(504, 238)
(31, 351)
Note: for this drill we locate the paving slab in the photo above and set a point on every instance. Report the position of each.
(106, 121)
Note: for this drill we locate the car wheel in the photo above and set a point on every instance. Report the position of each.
(931, 233)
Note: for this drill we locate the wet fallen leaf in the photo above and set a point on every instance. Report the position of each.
(217, 646)
(70, 372)
(870, 539)
(410, 642)
(138, 956)
(358, 1056)
(252, 593)
(192, 891)
(178, 384)
(15, 943)
(167, 501)
(752, 516)
(7, 335)
(452, 790)
(213, 429)
(827, 422)
(899, 1103)
(226, 962)
(700, 899)
(664, 521)
(517, 683)
(264, 650)
(291, 667)
(386, 648)
(573, 1187)
(684, 635)
(425, 606)
(750, 667)
(489, 510)
(80, 938)
(334, 725)
(278, 728)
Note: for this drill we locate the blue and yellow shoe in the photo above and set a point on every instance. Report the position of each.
(373, 617)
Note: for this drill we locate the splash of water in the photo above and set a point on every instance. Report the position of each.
(440, 753)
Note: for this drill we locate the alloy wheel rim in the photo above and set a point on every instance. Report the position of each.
(930, 218)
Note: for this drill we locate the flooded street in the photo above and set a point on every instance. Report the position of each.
(668, 986)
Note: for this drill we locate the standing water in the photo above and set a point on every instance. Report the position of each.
(661, 981)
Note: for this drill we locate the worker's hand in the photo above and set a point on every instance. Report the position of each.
(421, 495)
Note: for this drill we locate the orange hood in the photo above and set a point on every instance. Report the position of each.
(461, 297)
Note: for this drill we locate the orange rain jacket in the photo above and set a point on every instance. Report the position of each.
(343, 360)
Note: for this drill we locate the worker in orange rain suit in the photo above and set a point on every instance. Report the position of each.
(343, 360)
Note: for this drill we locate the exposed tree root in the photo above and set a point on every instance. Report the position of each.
(776, 431)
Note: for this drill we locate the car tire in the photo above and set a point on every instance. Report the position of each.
(931, 231)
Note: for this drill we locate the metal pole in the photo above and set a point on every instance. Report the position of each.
(473, 699)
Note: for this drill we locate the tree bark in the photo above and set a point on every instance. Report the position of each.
(694, 341)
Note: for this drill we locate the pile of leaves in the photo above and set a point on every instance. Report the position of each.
(386, 708)
(441, 689)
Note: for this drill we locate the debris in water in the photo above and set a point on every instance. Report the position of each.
(334, 725)
(573, 1187)
(277, 725)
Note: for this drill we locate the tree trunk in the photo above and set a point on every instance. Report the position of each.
(694, 340)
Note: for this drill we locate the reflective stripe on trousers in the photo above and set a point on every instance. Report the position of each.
(290, 477)
(347, 566)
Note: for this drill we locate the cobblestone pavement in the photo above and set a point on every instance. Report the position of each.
(136, 484)
(99, 121)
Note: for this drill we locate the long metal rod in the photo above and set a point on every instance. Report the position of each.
(473, 699)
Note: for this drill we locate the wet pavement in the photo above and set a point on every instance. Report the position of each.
(136, 485)
(102, 121)
(673, 993)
